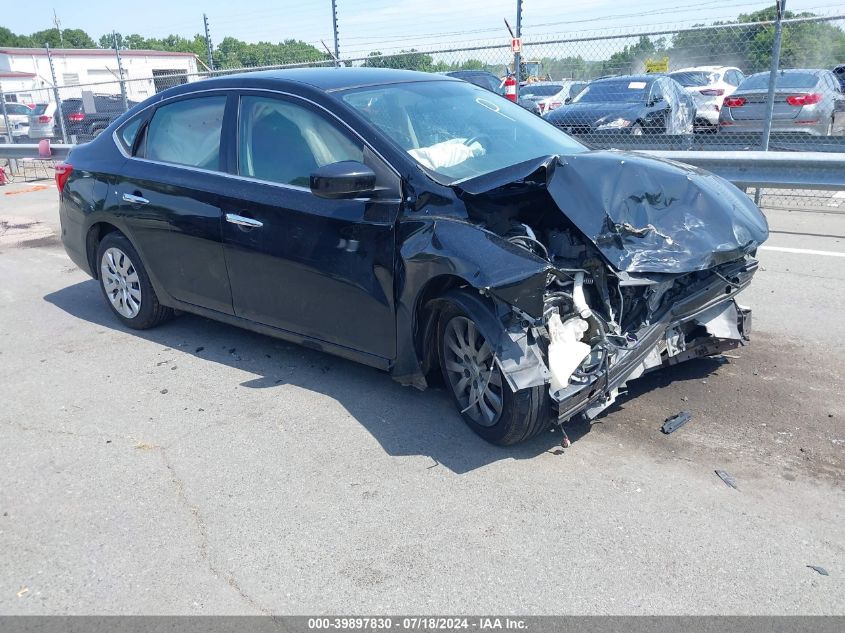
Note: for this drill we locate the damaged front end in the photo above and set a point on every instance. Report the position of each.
(638, 263)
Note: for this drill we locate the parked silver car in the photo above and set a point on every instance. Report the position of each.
(42, 121)
(18, 115)
(807, 101)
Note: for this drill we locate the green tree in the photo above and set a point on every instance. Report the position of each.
(631, 59)
(7, 38)
(406, 60)
(749, 45)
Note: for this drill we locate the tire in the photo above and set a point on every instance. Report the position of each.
(126, 285)
(500, 416)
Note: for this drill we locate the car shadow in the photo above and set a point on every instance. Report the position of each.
(403, 420)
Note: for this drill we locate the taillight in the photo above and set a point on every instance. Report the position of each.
(63, 171)
(76, 117)
(713, 92)
(555, 104)
(542, 106)
(802, 100)
(734, 102)
(44, 118)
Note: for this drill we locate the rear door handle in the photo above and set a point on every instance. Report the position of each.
(133, 199)
(240, 220)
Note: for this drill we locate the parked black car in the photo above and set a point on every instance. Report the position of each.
(412, 222)
(84, 119)
(491, 82)
(633, 104)
(89, 123)
(839, 71)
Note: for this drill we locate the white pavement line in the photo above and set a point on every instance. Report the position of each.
(801, 251)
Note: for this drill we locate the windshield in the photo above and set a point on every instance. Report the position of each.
(789, 81)
(540, 91)
(691, 78)
(457, 130)
(40, 108)
(626, 91)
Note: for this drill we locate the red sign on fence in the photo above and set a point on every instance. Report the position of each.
(516, 45)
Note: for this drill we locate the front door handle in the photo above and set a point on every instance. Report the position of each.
(240, 220)
(133, 199)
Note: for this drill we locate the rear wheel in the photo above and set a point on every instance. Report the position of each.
(478, 388)
(126, 285)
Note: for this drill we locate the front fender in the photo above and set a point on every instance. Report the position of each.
(448, 248)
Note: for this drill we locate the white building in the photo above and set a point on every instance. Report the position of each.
(25, 72)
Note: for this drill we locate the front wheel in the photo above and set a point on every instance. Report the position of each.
(126, 285)
(480, 391)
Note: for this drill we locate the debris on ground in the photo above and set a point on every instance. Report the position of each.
(199, 349)
(25, 590)
(729, 481)
(675, 422)
(820, 570)
(163, 391)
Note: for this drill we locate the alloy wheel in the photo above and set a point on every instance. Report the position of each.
(121, 283)
(473, 376)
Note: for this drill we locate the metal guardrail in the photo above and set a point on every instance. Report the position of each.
(772, 170)
(16, 151)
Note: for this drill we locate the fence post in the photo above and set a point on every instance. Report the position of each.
(780, 6)
(59, 110)
(336, 36)
(517, 57)
(208, 43)
(6, 116)
(120, 72)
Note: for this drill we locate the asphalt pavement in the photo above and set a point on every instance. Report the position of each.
(201, 469)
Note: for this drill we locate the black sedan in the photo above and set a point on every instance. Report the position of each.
(632, 104)
(416, 224)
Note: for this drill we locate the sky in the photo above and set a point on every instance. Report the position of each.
(388, 26)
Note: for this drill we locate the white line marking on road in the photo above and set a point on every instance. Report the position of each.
(801, 251)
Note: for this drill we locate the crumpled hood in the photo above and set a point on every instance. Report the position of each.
(594, 114)
(643, 214)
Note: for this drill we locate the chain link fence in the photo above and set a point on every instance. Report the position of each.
(695, 88)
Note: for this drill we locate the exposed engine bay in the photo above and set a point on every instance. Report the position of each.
(624, 301)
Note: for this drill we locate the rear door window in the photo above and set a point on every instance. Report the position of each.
(187, 132)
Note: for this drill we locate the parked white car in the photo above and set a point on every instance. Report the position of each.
(18, 115)
(708, 86)
(548, 95)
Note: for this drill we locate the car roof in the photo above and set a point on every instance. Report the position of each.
(703, 69)
(332, 79)
(644, 77)
(548, 83)
(466, 71)
(793, 71)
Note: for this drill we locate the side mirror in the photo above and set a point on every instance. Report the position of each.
(567, 101)
(346, 179)
(657, 99)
